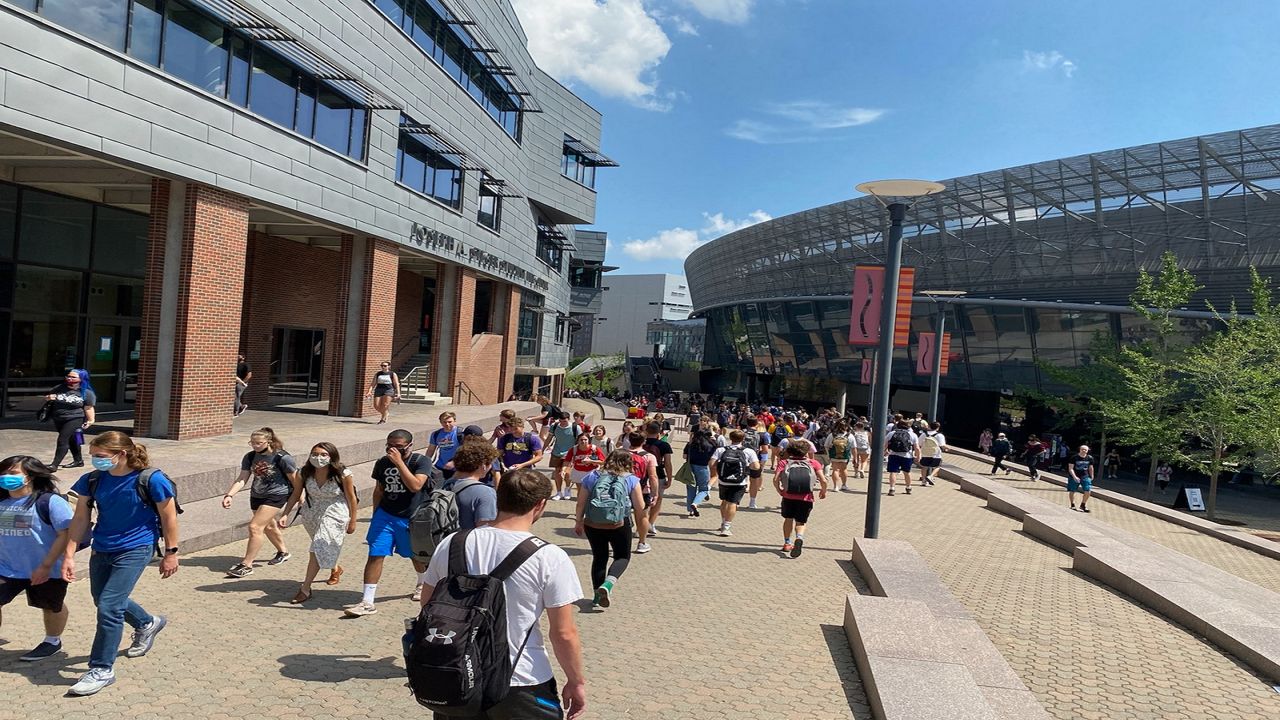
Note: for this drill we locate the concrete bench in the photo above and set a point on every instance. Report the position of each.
(919, 651)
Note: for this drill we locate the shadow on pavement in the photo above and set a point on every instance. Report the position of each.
(855, 577)
(339, 668)
(740, 549)
(51, 671)
(842, 657)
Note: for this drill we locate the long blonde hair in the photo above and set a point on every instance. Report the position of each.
(117, 442)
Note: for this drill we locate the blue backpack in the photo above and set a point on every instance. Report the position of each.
(609, 501)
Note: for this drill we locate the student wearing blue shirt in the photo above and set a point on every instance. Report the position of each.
(124, 541)
(444, 443)
(33, 536)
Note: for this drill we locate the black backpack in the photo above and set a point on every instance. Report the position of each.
(732, 467)
(900, 441)
(458, 660)
(800, 477)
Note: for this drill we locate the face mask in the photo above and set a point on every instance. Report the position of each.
(101, 463)
(12, 482)
(320, 460)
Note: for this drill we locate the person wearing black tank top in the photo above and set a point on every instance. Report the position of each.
(385, 388)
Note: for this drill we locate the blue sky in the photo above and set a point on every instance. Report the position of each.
(725, 112)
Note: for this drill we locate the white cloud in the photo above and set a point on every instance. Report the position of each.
(612, 46)
(678, 242)
(800, 121)
(734, 12)
(1051, 60)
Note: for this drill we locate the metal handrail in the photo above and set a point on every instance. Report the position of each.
(459, 389)
(416, 378)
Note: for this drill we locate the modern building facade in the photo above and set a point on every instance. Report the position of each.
(586, 282)
(629, 303)
(323, 184)
(1048, 255)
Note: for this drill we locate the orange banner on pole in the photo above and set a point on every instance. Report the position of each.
(902, 320)
(864, 316)
(924, 353)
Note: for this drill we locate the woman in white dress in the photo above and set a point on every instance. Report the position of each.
(328, 512)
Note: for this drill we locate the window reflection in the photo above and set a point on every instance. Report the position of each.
(194, 48)
(101, 20)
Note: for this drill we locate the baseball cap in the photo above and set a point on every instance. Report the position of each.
(473, 430)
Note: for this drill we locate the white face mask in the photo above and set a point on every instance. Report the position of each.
(320, 461)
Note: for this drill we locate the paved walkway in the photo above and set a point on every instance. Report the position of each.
(1251, 566)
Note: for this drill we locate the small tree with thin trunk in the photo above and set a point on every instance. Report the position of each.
(1096, 386)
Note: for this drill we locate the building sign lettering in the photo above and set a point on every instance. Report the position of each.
(454, 249)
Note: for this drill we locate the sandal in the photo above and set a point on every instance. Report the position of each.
(302, 596)
(334, 576)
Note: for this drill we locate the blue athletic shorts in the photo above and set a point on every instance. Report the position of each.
(388, 534)
(1085, 485)
(897, 463)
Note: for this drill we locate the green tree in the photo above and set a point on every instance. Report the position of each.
(593, 381)
(1147, 416)
(1230, 385)
(1098, 387)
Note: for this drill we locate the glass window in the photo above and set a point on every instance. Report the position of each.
(144, 31)
(358, 123)
(333, 120)
(241, 52)
(46, 289)
(412, 168)
(8, 216)
(423, 28)
(482, 314)
(393, 9)
(42, 347)
(101, 20)
(305, 120)
(490, 210)
(120, 242)
(6, 293)
(24, 4)
(273, 90)
(55, 230)
(111, 296)
(195, 48)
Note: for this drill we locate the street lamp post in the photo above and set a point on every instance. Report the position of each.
(940, 328)
(893, 195)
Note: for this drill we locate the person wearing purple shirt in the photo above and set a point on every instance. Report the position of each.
(519, 449)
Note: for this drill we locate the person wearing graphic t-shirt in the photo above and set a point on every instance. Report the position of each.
(398, 477)
(273, 482)
(545, 583)
(1080, 478)
(384, 388)
(519, 449)
(444, 443)
(72, 413)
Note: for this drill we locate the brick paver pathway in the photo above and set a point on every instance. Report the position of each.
(1251, 566)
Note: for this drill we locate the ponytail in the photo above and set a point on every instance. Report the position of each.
(117, 442)
(274, 442)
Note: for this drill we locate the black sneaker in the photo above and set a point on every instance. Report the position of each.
(693, 510)
(1084, 509)
(1073, 506)
(279, 558)
(240, 570)
(797, 547)
(79, 464)
(42, 651)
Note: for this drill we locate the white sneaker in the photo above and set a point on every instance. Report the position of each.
(93, 681)
(752, 505)
(725, 532)
(642, 548)
(417, 593)
(653, 531)
(361, 610)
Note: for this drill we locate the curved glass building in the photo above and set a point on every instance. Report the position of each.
(1047, 255)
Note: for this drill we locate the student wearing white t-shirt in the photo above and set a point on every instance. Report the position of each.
(932, 443)
(546, 582)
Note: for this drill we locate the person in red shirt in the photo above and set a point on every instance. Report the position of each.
(583, 459)
(794, 482)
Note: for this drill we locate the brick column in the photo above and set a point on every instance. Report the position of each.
(463, 319)
(193, 291)
(510, 334)
(364, 323)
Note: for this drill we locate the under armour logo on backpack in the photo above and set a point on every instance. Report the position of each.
(435, 634)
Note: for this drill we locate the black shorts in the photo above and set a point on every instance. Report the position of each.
(930, 462)
(277, 501)
(797, 510)
(732, 493)
(532, 702)
(48, 595)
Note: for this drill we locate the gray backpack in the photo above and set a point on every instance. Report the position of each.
(799, 477)
(434, 517)
(609, 502)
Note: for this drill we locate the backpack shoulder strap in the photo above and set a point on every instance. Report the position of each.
(458, 553)
(42, 507)
(461, 485)
(93, 487)
(144, 485)
(517, 557)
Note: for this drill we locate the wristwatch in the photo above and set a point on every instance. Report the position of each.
(171, 551)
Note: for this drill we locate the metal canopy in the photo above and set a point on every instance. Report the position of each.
(555, 237)
(494, 186)
(589, 156)
(264, 31)
(483, 46)
(438, 144)
(1209, 199)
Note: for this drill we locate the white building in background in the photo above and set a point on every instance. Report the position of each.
(629, 303)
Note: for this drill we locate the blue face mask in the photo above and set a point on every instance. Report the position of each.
(100, 463)
(12, 482)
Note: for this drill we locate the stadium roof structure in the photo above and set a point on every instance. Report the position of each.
(1214, 200)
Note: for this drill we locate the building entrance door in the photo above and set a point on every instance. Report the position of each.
(297, 365)
(112, 350)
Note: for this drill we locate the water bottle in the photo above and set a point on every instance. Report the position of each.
(406, 640)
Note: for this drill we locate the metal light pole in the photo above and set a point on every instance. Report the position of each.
(940, 329)
(896, 191)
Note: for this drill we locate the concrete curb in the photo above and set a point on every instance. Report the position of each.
(914, 628)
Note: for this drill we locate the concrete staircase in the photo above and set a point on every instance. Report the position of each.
(412, 386)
